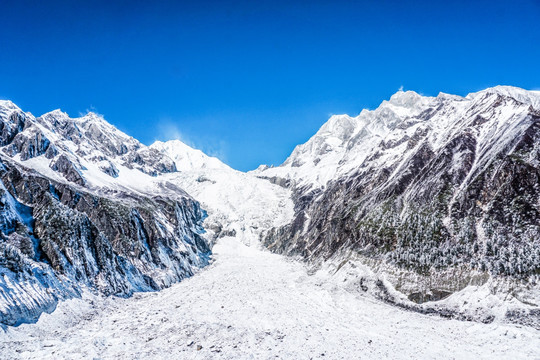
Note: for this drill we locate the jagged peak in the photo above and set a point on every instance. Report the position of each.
(89, 116)
(57, 113)
(531, 97)
(402, 103)
(446, 96)
(405, 98)
(505, 90)
(94, 117)
(7, 103)
(341, 126)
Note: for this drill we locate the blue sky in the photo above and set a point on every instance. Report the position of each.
(249, 80)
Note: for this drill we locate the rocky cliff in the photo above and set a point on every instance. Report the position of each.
(79, 211)
(433, 194)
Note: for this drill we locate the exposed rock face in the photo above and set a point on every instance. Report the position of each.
(150, 161)
(13, 123)
(67, 168)
(64, 229)
(30, 144)
(76, 145)
(433, 193)
(117, 246)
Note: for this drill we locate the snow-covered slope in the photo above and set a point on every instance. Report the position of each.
(251, 304)
(342, 144)
(187, 158)
(85, 151)
(81, 207)
(434, 193)
(237, 203)
(90, 206)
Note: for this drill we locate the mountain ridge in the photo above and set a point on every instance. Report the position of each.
(411, 192)
(417, 194)
(81, 212)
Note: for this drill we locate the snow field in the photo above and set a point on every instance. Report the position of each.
(251, 304)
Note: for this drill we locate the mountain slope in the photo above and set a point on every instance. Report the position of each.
(92, 208)
(80, 209)
(433, 193)
(237, 204)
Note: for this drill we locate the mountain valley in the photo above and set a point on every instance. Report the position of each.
(421, 216)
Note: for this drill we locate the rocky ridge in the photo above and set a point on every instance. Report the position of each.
(79, 211)
(433, 194)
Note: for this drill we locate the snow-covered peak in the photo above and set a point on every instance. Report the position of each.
(92, 117)
(340, 126)
(8, 104)
(344, 142)
(402, 105)
(237, 204)
(7, 107)
(57, 113)
(56, 117)
(90, 131)
(530, 97)
(86, 151)
(187, 158)
(405, 98)
(445, 96)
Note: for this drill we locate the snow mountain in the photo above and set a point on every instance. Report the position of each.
(427, 203)
(237, 204)
(79, 211)
(432, 194)
(187, 158)
(85, 207)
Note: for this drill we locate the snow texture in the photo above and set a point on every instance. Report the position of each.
(237, 203)
(250, 304)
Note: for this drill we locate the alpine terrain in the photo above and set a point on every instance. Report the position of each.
(409, 231)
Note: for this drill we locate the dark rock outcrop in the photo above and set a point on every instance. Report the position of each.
(114, 245)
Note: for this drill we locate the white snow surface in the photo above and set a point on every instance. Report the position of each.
(343, 143)
(235, 201)
(187, 158)
(251, 304)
